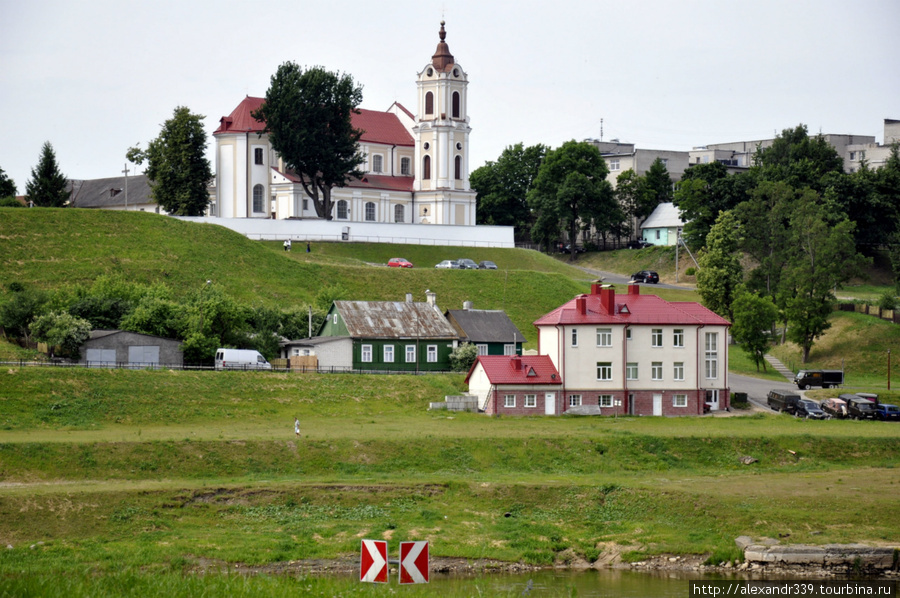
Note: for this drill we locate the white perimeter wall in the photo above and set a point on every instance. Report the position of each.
(364, 232)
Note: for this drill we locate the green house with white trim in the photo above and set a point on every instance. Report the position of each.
(403, 336)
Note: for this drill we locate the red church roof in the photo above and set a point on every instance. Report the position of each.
(603, 306)
(377, 127)
(525, 369)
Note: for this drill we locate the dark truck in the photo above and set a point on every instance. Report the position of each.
(782, 400)
(859, 407)
(824, 378)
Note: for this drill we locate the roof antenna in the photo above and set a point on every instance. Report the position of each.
(601, 129)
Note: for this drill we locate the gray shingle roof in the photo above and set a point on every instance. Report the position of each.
(394, 319)
(485, 326)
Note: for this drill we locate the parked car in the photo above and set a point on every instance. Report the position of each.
(467, 264)
(646, 276)
(886, 412)
(451, 264)
(639, 244)
(824, 378)
(399, 262)
(487, 265)
(809, 409)
(835, 407)
(782, 400)
(858, 407)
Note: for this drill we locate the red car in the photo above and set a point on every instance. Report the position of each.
(399, 262)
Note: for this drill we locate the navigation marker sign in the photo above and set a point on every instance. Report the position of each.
(414, 562)
(373, 564)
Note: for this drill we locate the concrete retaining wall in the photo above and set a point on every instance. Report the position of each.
(849, 556)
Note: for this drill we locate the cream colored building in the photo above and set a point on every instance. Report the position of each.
(416, 168)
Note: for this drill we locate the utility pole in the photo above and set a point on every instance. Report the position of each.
(126, 187)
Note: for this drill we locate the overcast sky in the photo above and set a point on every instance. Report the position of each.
(97, 76)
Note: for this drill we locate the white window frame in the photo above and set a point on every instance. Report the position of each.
(604, 371)
(389, 353)
(631, 371)
(678, 371)
(628, 334)
(614, 164)
(712, 355)
(605, 400)
(678, 337)
(679, 401)
(574, 400)
(405, 166)
(574, 337)
(365, 354)
(530, 401)
(432, 354)
(335, 319)
(370, 211)
(509, 401)
(377, 163)
(604, 337)
(259, 199)
(509, 349)
(656, 337)
(482, 349)
(410, 353)
(343, 209)
(656, 370)
(399, 213)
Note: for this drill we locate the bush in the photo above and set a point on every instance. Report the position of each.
(462, 357)
(10, 202)
(690, 271)
(887, 300)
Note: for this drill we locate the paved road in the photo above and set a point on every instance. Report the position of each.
(757, 388)
(614, 278)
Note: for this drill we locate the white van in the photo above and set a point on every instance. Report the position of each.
(241, 359)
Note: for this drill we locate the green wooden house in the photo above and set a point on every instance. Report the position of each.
(393, 335)
(490, 330)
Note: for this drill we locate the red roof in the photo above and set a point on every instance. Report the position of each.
(377, 127)
(532, 369)
(368, 181)
(631, 308)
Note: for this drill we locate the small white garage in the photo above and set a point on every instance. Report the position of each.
(118, 348)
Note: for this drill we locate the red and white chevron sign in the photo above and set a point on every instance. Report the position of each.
(414, 562)
(373, 565)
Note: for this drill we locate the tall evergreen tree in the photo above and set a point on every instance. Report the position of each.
(7, 186)
(48, 186)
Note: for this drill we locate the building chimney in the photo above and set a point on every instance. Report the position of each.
(409, 298)
(634, 289)
(516, 363)
(431, 297)
(467, 305)
(581, 304)
(608, 300)
(596, 287)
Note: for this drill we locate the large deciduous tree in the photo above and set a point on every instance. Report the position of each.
(177, 166)
(503, 186)
(720, 273)
(308, 117)
(754, 318)
(48, 186)
(569, 191)
(61, 330)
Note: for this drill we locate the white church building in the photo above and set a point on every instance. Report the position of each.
(416, 165)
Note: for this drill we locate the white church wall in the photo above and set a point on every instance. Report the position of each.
(365, 232)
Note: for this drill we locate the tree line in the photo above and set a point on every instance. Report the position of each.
(203, 320)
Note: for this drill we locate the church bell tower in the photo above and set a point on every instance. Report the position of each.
(443, 195)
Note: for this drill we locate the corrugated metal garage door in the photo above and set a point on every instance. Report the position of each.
(101, 357)
(143, 356)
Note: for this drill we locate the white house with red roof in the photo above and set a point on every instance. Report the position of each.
(416, 169)
(637, 354)
(515, 385)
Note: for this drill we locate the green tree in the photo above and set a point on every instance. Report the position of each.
(7, 186)
(63, 330)
(177, 166)
(824, 257)
(463, 356)
(307, 115)
(48, 186)
(754, 318)
(703, 191)
(570, 189)
(629, 191)
(657, 188)
(17, 314)
(503, 186)
(798, 160)
(765, 227)
(720, 273)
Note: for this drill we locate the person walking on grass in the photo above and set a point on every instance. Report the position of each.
(297, 427)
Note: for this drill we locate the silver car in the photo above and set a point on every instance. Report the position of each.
(450, 264)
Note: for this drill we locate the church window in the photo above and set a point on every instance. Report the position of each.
(259, 198)
(342, 210)
(429, 103)
(258, 155)
(455, 104)
(426, 167)
(377, 163)
(457, 168)
(398, 213)
(370, 211)
(404, 166)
